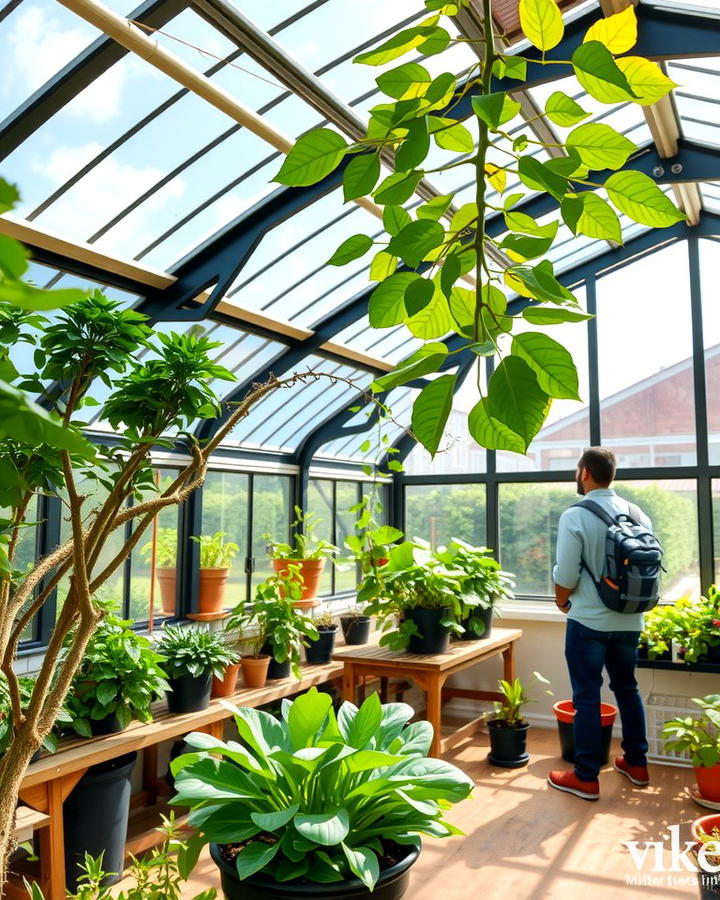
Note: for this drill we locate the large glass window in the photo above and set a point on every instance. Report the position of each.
(270, 516)
(438, 513)
(529, 515)
(645, 361)
(716, 527)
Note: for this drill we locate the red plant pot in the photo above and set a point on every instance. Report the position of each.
(708, 782)
(310, 571)
(212, 590)
(226, 686)
(167, 581)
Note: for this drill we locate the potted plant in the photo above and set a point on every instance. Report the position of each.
(226, 685)
(319, 651)
(371, 543)
(165, 546)
(706, 831)
(416, 599)
(484, 585)
(216, 555)
(700, 737)
(277, 628)
(191, 657)
(662, 626)
(355, 625)
(508, 730)
(120, 676)
(318, 806)
(304, 557)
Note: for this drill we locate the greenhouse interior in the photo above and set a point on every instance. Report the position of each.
(359, 449)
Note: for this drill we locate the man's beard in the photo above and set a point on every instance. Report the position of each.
(580, 487)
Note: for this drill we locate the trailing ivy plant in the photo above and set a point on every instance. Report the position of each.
(439, 271)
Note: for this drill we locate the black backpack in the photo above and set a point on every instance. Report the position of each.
(633, 559)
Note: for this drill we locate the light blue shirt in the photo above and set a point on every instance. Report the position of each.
(581, 535)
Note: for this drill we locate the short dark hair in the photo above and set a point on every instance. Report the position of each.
(600, 463)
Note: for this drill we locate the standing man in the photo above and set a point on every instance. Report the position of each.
(598, 637)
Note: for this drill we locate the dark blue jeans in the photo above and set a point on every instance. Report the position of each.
(587, 651)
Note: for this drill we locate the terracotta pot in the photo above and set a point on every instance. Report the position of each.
(212, 590)
(255, 670)
(226, 686)
(706, 823)
(310, 570)
(708, 782)
(167, 582)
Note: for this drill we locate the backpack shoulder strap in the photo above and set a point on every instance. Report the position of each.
(597, 510)
(635, 513)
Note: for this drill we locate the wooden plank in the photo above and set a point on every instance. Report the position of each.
(460, 734)
(28, 820)
(461, 652)
(78, 755)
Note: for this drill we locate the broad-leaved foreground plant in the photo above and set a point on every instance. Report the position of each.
(440, 272)
(318, 796)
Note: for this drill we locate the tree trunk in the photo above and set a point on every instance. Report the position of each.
(12, 770)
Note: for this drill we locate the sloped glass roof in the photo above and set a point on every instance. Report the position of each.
(143, 169)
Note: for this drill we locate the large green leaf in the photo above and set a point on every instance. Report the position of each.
(537, 176)
(307, 717)
(405, 82)
(37, 299)
(589, 214)
(414, 147)
(489, 107)
(423, 361)
(328, 828)
(313, 156)
(365, 724)
(517, 221)
(254, 857)
(433, 320)
(600, 146)
(637, 195)
(396, 46)
(516, 400)
(647, 80)
(224, 822)
(361, 176)
(395, 218)
(563, 110)
(397, 188)
(387, 305)
(352, 248)
(542, 23)
(13, 257)
(418, 295)
(9, 196)
(618, 33)
(23, 420)
(383, 265)
(364, 863)
(539, 282)
(451, 135)
(416, 240)
(550, 361)
(544, 315)
(271, 821)
(598, 73)
(430, 411)
(526, 246)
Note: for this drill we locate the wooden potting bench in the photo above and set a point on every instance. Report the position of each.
(430, 673)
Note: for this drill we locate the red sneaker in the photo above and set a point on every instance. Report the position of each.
(639, 775)
(568, 781)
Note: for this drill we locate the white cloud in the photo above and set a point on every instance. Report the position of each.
(39, 46)
(103, 193)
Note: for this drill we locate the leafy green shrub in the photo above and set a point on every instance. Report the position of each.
(315, 796)
(192, 651)
(215, 552)
(305, 544)
(697, 735)
(120, 674)
(165, 548)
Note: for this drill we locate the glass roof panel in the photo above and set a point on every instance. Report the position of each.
(282, 419)
(349, 446)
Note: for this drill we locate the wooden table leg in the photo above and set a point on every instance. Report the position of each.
(52, 845)
(433, 691)
(509, 662)
(150, 772)
(217, 729)
(349, 682)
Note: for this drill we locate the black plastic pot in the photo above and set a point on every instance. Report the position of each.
(508, 746)
(319, 652)
(95, 819)
(433, 637)
(479, 615)
(109, 725)
(189, 693)
(356, 629)
(392, 884)
(275, 669)
(713, 654)
(567, 742)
